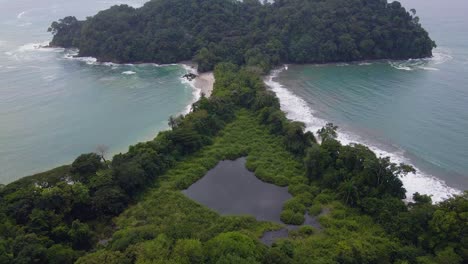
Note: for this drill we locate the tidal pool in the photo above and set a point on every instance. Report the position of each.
(231, 189)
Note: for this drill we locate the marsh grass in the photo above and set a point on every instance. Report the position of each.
(164, 217)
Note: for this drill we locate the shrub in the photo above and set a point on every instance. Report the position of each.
(188, 251)
(324, 198)
(315, 209)
(294, 205)
(292, 218)
(233, 244)
(296, 189)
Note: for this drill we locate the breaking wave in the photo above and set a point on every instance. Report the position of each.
(439, 56)
(196, 92)
(297, 109)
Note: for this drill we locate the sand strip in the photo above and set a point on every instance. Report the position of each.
(205, 82)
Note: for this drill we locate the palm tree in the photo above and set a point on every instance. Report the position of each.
(349, 192)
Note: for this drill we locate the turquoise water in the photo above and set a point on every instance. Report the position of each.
(414, 111)
(53, 107)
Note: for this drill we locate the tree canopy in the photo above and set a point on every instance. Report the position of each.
(247, 32)
(81, 212)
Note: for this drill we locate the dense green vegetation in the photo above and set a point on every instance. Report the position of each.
(129, 209)
(247, 32)
(69, 214)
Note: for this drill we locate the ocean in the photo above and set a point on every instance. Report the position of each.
(54, 107)
(414, 111)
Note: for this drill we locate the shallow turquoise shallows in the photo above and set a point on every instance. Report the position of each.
(414, 111)
(53, 107)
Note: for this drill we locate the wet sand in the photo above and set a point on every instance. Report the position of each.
(205, 82)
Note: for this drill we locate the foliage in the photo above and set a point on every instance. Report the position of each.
(249, 33)
(60, 215)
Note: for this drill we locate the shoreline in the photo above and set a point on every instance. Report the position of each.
(297, 109)
(203, 82)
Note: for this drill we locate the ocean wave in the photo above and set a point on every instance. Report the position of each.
(400, 66)
(428, 68)
(24, 51)
(72, 54)
(298, 109)
(20, 15)
(439, 56)
(196, 93)
(87, 60)
(41, 46)
(128, 72)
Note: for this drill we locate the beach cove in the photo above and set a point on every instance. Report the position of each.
(53, 106)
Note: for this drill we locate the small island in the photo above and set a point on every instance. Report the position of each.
(259, 35)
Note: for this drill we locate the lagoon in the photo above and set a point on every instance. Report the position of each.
(231, 189)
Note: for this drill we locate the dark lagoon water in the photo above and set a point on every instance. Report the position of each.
(231, 189)
(54, 107)
(414, 111)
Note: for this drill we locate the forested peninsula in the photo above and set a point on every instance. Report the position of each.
(130, 208)
(247, 32)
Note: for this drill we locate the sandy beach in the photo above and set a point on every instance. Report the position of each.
(205, 82)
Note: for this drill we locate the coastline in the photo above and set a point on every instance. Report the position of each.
(296, 108)
(203, 83)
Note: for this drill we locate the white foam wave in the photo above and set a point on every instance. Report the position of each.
(128, 72)
(428, 68)
(71, 55)
(364, 63)
(87, 60)
(27, 51)
(439, 56)
(20, 15)
(297, 109)
(170, 64)
(196, 93)
(42, 46)
(398, 66)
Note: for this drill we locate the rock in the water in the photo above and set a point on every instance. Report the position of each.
(189, 76)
